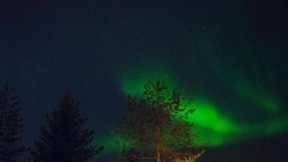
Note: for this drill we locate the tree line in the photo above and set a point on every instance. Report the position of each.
(153, 130)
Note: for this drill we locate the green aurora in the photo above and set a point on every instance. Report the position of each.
(243, 107)
(216, 126)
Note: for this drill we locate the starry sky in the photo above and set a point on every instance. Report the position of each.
(234, 54)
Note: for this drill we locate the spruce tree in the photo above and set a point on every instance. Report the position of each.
(64, 139)
(11, 126)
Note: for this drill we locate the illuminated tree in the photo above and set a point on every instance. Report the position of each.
(11, 126)
(154, 127)
(64, 139)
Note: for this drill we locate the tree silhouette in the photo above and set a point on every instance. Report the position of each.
(154, 127)
(64, 139)
(11, 126)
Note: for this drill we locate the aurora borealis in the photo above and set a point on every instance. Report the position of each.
(233, 54)
(216, 126)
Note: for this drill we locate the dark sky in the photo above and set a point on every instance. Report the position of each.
(234, 53)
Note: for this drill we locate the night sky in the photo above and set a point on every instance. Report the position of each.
(234, 54)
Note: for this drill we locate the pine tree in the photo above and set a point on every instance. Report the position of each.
(11, 126)
(154, 127)
(64, 139)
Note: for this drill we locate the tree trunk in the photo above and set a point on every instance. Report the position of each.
(158, 157)
(158, 154)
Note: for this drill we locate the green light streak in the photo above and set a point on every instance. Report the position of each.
(212, 118)
(211, 124)
(218, 129)
(254, 93)
(244, 87)
(214, 125)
